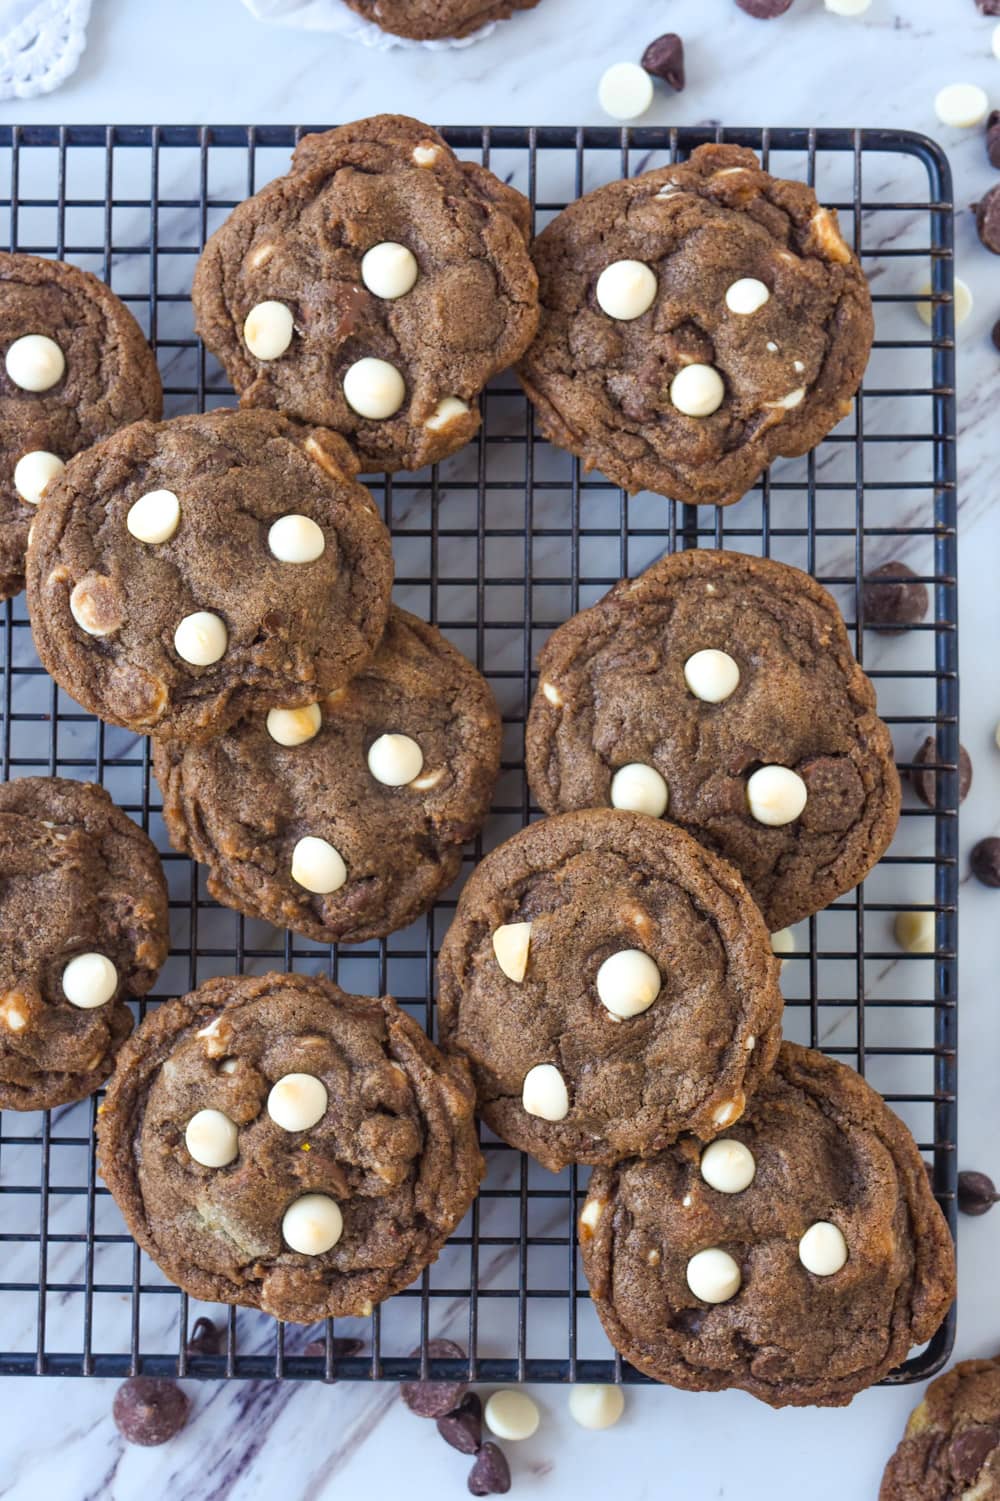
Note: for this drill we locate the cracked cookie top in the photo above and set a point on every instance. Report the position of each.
(721, 690)
(697, 321)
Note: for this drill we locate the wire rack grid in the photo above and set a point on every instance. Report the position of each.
(498, 546)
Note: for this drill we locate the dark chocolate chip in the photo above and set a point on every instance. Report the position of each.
(894, 597)
(993, 137)
(996, 334)
(148, 1410)
(989, 7)
(988, 220)
(463, 1428)
(664, 58)
(205, 1338)
(490, 1475)
(985, 861)
(342, 1347)
(435, 1399)
(925, 782)
(976, 1193)
(765, 10)
(970, 1449)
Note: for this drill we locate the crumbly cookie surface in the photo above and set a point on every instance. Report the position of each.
(951, 1448)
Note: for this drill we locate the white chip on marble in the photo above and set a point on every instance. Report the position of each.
(747, 296)
(625, 290)
(448, 409)
(511, 942)
(33, 471)
(728, 1166)
(154, 517)
(628, 983)
(625, 91)
(962, 303)
(915, 932)
(374, 388)
(776, 795)
(544, 1093)
(511, 1415)
(35, 362)
(697, 390)
(296, 539)
(823, 1249)
(596, 1406)
(211, 1138)
(395, 760)
(640, 789)
(89, 980)
(961, 105)
(389, 270)
(294, 726)
(713, 1276)
(847, 7)
(312, 1225)
(201, 639)
(711, 675)
(317, 866)
(297, 1101)
(268, 329)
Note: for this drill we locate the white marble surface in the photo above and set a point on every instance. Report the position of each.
(207, 60)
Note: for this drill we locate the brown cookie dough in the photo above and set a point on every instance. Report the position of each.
(428, 20)
(799, 1258)
(392, 775)
(612, 985)
(739, 329)
(779, 712)
(83, 926)
(185, 573)
(381, 269)
(76, 368)
(276, 1143)
(951, 1448)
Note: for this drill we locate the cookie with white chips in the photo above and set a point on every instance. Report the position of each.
(274, 1142)
(611, 984)
(345, 819)
(799, 1257)
(185, 573)
(697, 321)
(83, 926)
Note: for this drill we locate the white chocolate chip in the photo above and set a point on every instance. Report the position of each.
(35, 362)
(296, 539)
(395, 760)
(687, 1201)
(831, 242)
(713, 1276)
(294, 726)
(154, 517)
(425, 783)
(788, 403)
(772, 347)
(751, 1043)
(201, 639)
(747, 296)
(211, 1138)
(312, 1224)
(962, 304)
(711, 675)
(847, 7)
(374, 388)
(798, 367)
(448, 410)
(783, 941)
(261, 255)
(34, 471)
(93, 606)
(552, 695)
(544, 1093)
(961, 105)
(212, 1029)
(596, 1406)
(228, 1066)
(776, 795)
(728, 1111)
(89, 980)
(640, 789)
(268, 330)
(317, 866)
(728, 1166)
(590, 1214)
(728, 172)
(668, 190)
(628, 982)
(625, 290)
(511, 942)
(915, 932)
(625, 91)
(697, 390)
(511, 1415)
(389, 270)
(297, 1101)
(13, 1014)
(426, 154)
(823, 1249)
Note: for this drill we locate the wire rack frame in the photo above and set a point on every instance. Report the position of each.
(497, 547)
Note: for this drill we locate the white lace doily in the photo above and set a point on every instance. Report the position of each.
(40, 44)
(334, 15)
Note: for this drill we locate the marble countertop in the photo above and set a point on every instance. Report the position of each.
(209, 61)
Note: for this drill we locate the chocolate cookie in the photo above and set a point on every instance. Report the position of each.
(697, 321)
(76, 368)
(276, 1143)
(428, 20)
(344, 820)
(721, 690)
(374, 290)
(951, 1448)
(83, 925)
(185, 573)
(612, 985)
(799, 1258)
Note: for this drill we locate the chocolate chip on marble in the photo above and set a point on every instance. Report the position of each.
(993, 137)
(149, 1410)
(894, 597)
(664, 58)
(985, 861)
(205, 1338)
(490, 1475)
(765, 10)
(988, 220)
(463, 1428)
(976, 1193)
(996, 333)
(925, 782)
(435, 1399)
(342, 1347)
(970, 1449)
(989, 7)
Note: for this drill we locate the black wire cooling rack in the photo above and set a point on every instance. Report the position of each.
(498, 546)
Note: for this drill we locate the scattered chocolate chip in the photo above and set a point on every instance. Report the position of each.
(490, 1475)
(988, 220)
(993, 137)
(996, 333)
(985, 861)
(894, 597)
(435, 1399)
(925, 782)
(970, 1449)
(664, 58)
(976, 1193)
(765, 10)
(463, 1428)
(342, 1347)
(149, 1411)
(205, 1338)
(989, 7)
